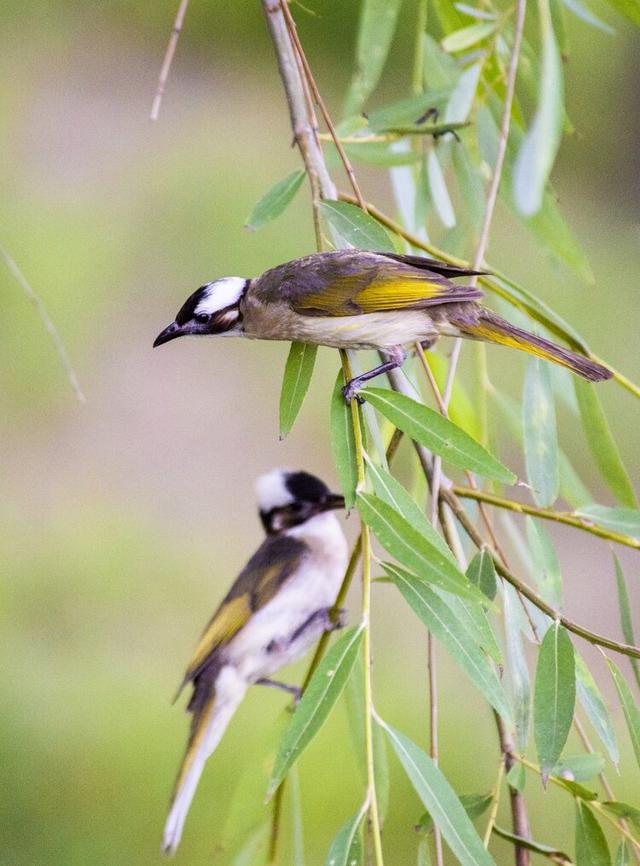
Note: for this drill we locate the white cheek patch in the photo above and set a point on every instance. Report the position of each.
(220, 294)
(271, 490)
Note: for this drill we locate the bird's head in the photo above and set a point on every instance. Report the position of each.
(287, 498)
(212, 310)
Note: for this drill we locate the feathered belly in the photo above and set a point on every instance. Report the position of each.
(365, 331)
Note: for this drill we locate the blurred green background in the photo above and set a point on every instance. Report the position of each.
(124, 519)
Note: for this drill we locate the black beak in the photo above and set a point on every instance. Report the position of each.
(331, 501)
(170, 333)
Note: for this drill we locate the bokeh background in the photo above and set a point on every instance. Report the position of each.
(123, 519)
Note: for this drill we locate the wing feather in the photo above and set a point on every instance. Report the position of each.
(354, 282)
(258, 582)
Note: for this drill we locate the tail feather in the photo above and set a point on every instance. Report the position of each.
(209, 723)
(486, 325)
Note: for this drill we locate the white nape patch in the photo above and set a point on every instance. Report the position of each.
(220, 294)
(272, 491)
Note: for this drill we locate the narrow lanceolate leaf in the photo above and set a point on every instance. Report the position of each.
(295, 383)
(554, 854)
(323, 691)
(540, 145)
(343, 444)
(591, 844)
(377, 25)
(540, 434)
(554, 696)
(623, 857)
(468, 36)
(580, 10)
(346, 847)
(275, 201)
(439, 192)
(545, 563)
(625, 615)
(625, 520)
(441, 802)
(624, 810)
(412, 549)
(355, 228)
(463, 645)
(482, 572)
(594, 706)
(437, 433)
(390, 490)
(518, 671)
(579, 768)
(602, 444)
(629, 707)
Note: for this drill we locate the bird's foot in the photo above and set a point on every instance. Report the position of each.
(296, 691)
(350, 392)
(336, 619)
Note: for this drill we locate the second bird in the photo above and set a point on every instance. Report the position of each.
(278, 606)
(354, 299)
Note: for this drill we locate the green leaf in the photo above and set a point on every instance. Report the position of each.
(624, 810)
(629, 707)
(463, 645)
(625, 520)
(462, 409)
(441, 801)
(460, 102)
(594, 706)
(623, 857)
(554, 696)
(316, 703)
(439, 192)
(468, 36)
(381, 153)
(346, 847)
(343, 444)
(275, 201)
(295, 383)
(579, 768)
(585, 14)
(377, 25)
(545, 563)
(540, 434)
(540, 145)
(517, 777)
(630, 8)
(625, 615)
(602, 444)
(531, 845)
(248, 855)
(517, 667)
(482, 573)
(440, 435)
(412, 549)
(389, 489)
(355, 228)
(591, 844)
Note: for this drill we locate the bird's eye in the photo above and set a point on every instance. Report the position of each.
(201, 318)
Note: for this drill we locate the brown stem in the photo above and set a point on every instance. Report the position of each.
(168, 59)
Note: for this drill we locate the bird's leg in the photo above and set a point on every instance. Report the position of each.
(296, 691)
(396, 356)
(324, 618)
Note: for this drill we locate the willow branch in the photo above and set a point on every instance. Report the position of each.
(168, 59)
(563, 517)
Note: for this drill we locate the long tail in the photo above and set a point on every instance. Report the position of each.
(486, 325)
(210, 720)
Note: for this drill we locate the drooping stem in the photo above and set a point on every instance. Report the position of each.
(168, 59)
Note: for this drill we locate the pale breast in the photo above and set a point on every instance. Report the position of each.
(365, 331)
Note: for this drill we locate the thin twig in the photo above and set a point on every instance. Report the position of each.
(168, 59)
(563, 517)
(495, 802)
(46, 320)
(321, 105)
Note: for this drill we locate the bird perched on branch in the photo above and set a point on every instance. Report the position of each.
(277, 608)
(355, 299)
